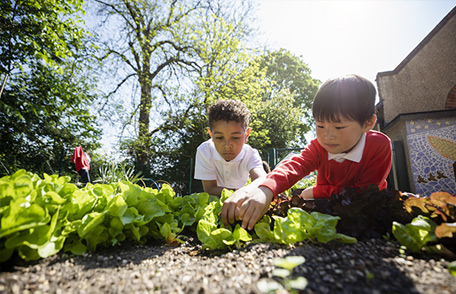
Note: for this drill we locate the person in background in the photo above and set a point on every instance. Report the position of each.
(82, 163)
(225, 160)
(346, 152)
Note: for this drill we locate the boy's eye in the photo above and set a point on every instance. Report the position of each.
(219, 138)
(236, 138)
(320, 127)
(340, 128)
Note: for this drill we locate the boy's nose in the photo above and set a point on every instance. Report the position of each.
(329, 134)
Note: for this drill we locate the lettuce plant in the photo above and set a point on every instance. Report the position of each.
(433, 228)
(283, 273)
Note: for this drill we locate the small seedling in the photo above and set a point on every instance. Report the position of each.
(369, 275)
(452, 268)
(286, 284)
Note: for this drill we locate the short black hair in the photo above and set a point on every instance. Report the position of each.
(228, 110)
(351, 96)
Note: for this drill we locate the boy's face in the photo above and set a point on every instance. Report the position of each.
(341, 137)
(229, 138)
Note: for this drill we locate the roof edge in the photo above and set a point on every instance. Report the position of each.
(426, 40)
(420, 115)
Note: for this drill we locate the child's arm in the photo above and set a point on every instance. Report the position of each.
(257, 172)
(211, 187)
(248, 204)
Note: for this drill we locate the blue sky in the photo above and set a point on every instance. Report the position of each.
(342, 37)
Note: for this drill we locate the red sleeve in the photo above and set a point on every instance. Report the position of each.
(289, 172)
(324, 191)
(378, 154)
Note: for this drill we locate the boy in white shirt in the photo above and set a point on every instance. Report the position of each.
(225, 161)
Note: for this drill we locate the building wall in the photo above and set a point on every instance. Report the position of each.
(424, 80)
(431, 144)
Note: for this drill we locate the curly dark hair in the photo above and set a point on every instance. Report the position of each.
(228, 110)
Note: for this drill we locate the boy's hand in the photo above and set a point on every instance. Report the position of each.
(230, 209)
(246, 206)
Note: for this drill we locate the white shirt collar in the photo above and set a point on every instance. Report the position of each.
(354, 155)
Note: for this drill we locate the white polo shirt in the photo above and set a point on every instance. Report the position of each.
(234, 174)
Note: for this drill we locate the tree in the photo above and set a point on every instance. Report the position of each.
(43, 116)
(45, 30)
(44, 109)
(161, 47)
(287, 72)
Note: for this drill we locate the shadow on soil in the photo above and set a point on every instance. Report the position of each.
(351, 268)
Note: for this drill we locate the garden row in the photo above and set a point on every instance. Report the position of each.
(43, 216)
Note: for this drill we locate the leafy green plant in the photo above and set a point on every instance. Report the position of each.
(433, 227)
(40, 217)
(452, 268)
(300, 225)
(212, 233)
(285, 284)
(112, 173)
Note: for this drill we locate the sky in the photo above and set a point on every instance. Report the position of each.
(343, 37)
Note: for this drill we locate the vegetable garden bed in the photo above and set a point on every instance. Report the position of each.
(74, 234)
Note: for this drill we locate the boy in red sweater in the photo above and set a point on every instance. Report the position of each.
(346, 152)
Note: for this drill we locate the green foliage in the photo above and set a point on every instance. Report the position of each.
(47, 31)
(44, 109)
(211, 232)
(42, 216)
(286, 284)
(288, 76)
(44, 115)
(298, 226)
(433, 229)
(112, 172)
(416, 234)
(452, 268)
(166, 47)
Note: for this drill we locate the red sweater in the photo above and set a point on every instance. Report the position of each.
(79, 159)
(332, 177)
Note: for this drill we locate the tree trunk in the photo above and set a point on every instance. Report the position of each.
(143, 153)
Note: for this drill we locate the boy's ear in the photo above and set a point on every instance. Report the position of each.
(370, 123)
(209, 131)
(247, 134)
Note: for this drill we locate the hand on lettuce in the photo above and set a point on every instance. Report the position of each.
(254, 206)
(230, 209)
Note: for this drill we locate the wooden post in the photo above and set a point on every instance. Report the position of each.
(3, 84)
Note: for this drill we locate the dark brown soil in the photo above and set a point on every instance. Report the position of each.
(371, 266)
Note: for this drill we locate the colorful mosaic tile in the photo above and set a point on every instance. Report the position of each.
(432, 145)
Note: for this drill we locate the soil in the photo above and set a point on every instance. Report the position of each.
(370, 266)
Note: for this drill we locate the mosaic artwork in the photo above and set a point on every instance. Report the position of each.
(432, 145)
